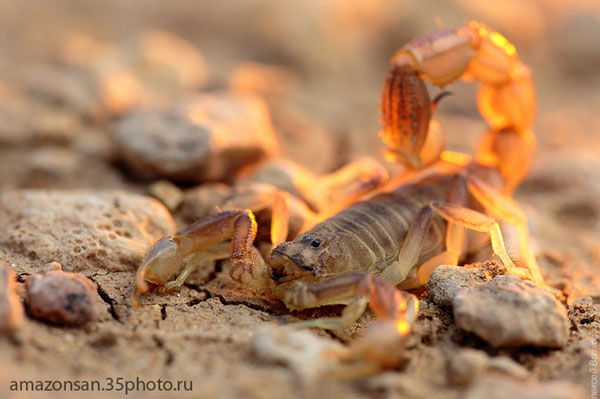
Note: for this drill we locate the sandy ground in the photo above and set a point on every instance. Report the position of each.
(56, 132)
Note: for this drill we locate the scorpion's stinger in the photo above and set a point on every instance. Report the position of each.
(439, 98)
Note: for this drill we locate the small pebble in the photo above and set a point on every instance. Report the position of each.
(262, 79)
(167, 193)
(48, 267)
(466, 364)
(105, 337)
(202, 200)
(62, 298)
(508, 366)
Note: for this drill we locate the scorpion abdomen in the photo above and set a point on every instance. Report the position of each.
(372, 232)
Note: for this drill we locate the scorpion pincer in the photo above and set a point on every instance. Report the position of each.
(413, 224)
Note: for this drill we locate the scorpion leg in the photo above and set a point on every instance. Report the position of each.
(455, 239)
(349, 184)
(215, 252)
(352, 289)
(458, 218)
(263, 198)
(504, 208)
(477, 221)
(382, 344)
(398, 271)
(403, 272)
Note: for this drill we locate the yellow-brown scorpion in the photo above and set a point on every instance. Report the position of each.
(412, 224)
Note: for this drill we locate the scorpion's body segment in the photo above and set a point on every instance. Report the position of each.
(367, 236)
(397, 237)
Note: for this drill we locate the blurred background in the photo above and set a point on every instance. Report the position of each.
(70, 71)
(331, 55)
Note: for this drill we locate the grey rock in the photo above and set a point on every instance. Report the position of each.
(206, 138)
(508, 311)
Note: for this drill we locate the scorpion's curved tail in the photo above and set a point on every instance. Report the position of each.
(506, 99)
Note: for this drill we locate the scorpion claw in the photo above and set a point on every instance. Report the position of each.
(162, 261)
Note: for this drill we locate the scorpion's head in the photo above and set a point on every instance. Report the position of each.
(297, 259)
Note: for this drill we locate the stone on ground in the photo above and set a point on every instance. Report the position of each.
(508, 311)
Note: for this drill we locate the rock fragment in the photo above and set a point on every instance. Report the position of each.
(62, 298)
(202, 200)
(206, 138)
(447, 281)
(508, 311)
(167, 193)
(291, 177)
(262, 79)
(56, 167)
(466, 364)
(69, 87)
(166, 59)
(84, 230)
(11, 310)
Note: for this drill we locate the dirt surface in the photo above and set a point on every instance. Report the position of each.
(72, 72)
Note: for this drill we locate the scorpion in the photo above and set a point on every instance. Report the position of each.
(376, 248)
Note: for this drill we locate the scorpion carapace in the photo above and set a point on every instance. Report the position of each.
(398, 236)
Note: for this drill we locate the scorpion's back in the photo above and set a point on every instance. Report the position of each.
(368, 235)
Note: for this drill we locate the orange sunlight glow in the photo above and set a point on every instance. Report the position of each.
(402, 327)
(120, 91)
(504, 44)
(198, 115)
(496, 38)
(457, 158)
